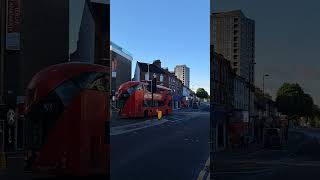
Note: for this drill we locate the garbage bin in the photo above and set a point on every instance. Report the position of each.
(159, 115)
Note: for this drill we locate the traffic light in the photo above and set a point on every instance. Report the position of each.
(154, 85)
(149, 86)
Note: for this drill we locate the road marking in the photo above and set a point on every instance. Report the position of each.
(202, 113)
(136, 126)
(244, 172)
(204, 171)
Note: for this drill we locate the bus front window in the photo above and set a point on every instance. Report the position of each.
(42, 117)
(125, 96)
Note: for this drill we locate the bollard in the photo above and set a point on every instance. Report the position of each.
(159, 115)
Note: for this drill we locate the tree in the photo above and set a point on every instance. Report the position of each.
(202, 93)
(292, 101)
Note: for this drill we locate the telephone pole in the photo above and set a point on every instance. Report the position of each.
(2, 46)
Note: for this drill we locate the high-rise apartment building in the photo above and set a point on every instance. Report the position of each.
(183, 73)
(234, 38)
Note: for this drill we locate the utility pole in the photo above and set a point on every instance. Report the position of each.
(2, 46)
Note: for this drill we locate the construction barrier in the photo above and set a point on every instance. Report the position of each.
(3, 160)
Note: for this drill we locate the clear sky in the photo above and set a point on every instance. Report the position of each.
(174, 31)
(287, 41)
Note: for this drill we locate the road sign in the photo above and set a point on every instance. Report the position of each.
(11, 117)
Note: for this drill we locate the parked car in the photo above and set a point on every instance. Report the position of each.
(272, 138)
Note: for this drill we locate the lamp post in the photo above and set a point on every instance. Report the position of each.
(2, 46)
(263, 93)
(263, 78)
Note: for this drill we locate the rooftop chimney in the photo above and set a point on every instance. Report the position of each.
(157, 63)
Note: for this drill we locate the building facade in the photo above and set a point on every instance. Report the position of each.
(221, 85)
(183, 73)
(121, 62)
(234, 38)
(188, 95)
(146, 72)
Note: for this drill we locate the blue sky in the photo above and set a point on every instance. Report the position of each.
(176, 32)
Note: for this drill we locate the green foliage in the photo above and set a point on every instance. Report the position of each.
(292, 100)
(202, 93)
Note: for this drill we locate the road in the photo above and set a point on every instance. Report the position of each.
(300, 159)
(173, 148)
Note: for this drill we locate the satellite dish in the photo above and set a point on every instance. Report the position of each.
(11, 117)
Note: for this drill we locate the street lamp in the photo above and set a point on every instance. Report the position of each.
(265, 75)
(264, 102)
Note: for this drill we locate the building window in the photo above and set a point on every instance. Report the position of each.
(235, 57)
(146, 77)
(235, 32)
(235, 38)
(235, 20)
(235, 64)
(161, 78)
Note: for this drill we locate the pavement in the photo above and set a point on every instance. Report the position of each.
(176, 147)
(299, 159)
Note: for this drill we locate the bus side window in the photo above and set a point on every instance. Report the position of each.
(147, 103)
(156, 104)
(160, 103)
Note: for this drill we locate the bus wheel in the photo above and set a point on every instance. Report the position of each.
(145, 113)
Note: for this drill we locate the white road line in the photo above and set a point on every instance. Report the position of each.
(208, 177)
(134, 127)
(176, 119)
(204, 170)
(244, 172)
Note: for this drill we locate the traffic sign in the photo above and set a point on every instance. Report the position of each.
(11, 117)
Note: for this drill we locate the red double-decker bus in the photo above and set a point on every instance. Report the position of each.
(134, 100)
(67, 121)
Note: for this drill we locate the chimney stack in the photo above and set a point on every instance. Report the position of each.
(157, 63)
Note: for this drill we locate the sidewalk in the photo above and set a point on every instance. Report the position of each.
(14, 166)
(231, 153)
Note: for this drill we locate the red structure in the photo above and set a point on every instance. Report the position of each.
(66, 107)
(134, 100)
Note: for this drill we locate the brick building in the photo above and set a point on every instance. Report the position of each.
(145, 72)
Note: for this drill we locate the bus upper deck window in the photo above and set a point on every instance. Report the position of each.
(67, 91)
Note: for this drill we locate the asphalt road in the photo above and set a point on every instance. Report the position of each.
(300, 159)
(175, 149)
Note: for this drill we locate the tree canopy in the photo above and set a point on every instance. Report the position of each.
(202, 93)
(293, 101)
